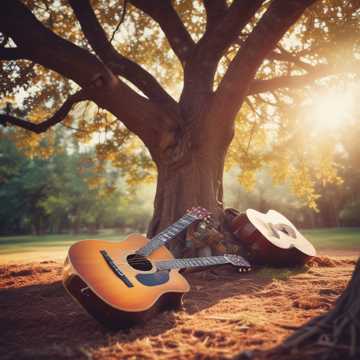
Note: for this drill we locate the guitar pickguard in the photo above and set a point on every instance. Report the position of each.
(157, 278)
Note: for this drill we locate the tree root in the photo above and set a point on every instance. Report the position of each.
(333, 336)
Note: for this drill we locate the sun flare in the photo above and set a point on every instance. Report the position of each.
(331, 110)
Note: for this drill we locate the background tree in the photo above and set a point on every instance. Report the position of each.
(176, 75)
(64, 192)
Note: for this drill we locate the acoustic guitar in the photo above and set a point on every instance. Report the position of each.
(270, 239)
(121, 284)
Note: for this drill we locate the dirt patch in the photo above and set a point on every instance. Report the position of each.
(225, 313)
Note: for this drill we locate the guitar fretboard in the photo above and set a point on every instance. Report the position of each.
(169, 233)
(192, 262)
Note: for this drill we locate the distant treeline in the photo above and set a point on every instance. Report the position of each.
(66, 192)
(338, 205)
(70, 192)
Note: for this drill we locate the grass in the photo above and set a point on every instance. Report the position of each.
(335, 239)
(54, 247)
(270, 273)
(46, 247)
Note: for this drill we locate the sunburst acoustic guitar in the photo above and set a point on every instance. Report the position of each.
(121, 284)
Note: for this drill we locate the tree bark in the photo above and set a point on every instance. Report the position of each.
(195, 180)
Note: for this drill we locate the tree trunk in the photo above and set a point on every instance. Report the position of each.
(195, 180)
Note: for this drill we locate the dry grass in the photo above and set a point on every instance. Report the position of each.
(224, 313)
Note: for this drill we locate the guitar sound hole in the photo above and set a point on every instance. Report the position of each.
(139, 262)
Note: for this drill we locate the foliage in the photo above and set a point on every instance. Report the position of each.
(336, 205)
(269, 129)
(65, 191)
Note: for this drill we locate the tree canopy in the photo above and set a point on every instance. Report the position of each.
(178, 74)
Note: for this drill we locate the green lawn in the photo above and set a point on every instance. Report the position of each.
(335, 239)
(54, 247)
(46, 247)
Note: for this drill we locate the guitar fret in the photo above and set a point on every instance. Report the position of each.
(215, 260)
(170, 232)
(167, 234)
(197, 262)
(191, 262)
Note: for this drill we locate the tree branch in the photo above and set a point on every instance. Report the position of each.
(296, 81)
(260, 86)
(226, 31)
(215, 10)
(44, 47)
(59, 116)
(122, 18)
(12, 54)
(168, 19)
(199, 72)
(119, 64)
(279, 17)
(283, 55)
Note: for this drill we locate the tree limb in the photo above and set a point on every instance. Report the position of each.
(215, 42)
(12, 54)
(119, 64)
(215, 10)
(122, 18)
(172, 26)
(59, 116)
(279, 17)
(44, 47)
(296, 81)
(199, 72)
(283, 55)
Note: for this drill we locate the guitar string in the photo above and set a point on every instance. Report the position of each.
(181, 259)
(164, 259)
(136, 262)
(188, 265)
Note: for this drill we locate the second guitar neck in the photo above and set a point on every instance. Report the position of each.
(169, 233)
(202, 261)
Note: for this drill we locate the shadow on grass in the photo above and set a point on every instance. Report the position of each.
(43, 322)
(227, 282)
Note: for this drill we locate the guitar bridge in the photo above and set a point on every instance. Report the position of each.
(116, 269)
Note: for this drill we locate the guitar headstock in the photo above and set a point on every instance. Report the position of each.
(238, 261)
(199, 213)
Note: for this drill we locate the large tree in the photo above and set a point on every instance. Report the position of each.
(216, 48)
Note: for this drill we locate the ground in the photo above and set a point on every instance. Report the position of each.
(223, 314)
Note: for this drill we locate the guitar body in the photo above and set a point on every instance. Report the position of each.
(271, 239)
(262, 252)
(117, 287)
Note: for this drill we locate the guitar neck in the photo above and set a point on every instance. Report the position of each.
(166, 235)
(191, 262)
